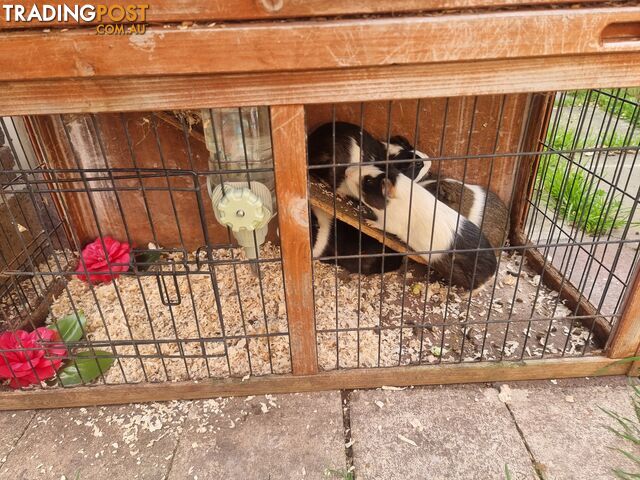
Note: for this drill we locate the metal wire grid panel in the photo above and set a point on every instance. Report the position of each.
(186, 304)
(404, 313)
(583, 209)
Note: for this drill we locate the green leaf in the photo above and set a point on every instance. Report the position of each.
(507, 473)
(71, 327)
(437, 351)
(145, 259)
(85, 368)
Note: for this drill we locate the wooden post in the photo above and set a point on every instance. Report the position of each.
(354, 378)
(539, 115)
(289, 155)
(626, 338)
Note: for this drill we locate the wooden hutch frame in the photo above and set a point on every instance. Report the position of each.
(285, 56)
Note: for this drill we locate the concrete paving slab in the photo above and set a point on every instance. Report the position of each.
(564, 428)
(263, 437)
(459, 432)
(127, 442)
(12, 426)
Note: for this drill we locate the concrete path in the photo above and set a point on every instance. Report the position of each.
(549, 430)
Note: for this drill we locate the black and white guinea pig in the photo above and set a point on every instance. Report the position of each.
(341, 143)
(474, 202)
(399, 148)
(349, 241)
(467, 199)
(393, 192)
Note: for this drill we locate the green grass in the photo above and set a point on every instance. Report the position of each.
(342, 474)
(575, 196)
(565, 139)
(507, 472)
(616, 107)
(573, 191)
(628, 429)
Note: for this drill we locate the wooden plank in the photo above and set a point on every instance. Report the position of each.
(351, 85)
(348, 213)
(162, 11)
(175, 123)
(539, 114)
(295, 46)
(423, 120)
(333, 380)
(289, 155)
(625, 341)
(575, 301)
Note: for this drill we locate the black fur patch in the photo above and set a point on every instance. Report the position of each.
(468, 269)
(349, 241)
(401, 141)
(372, 188)
(321, 149)
(412, 167)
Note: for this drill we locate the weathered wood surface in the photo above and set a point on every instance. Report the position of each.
(625, 341)
(289, 151)
(447, 127)
(333, 380)
(161, 11)
(296, 46)
(139, 209)
(174, 92)
(534, 130)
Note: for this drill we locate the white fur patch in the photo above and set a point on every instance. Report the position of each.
(418, 233)
(479, 197)
(392, 148)
(355, 152)
(324, 231)
(477, 209)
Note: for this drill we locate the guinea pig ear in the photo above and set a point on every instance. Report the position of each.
(402, 141)
(388, 188)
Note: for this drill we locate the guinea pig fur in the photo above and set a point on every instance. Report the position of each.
(341, 143)
(328, 235)
(470, 201)
(392, 193)
(418, 164)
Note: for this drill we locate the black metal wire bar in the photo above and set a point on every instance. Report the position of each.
(416, 133)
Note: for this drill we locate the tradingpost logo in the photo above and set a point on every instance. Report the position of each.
(113, 19)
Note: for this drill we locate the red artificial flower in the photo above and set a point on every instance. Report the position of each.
(28, 358)
(95, 260)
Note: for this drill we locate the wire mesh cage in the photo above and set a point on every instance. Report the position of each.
(516, 240)
(560, 281)
(172, 299)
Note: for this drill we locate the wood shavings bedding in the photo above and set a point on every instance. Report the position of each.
(131, 308)
(391, 331)
(395, 327)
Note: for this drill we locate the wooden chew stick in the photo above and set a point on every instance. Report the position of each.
(322, 198)
(289, 155)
